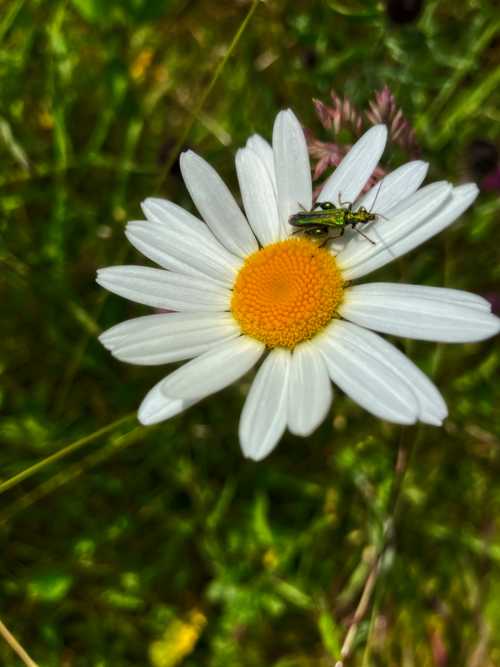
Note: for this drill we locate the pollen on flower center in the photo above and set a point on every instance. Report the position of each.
(286, 292)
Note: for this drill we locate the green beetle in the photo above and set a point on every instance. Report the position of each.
(317, 224)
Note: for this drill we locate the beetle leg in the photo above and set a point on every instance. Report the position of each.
(341, 203)
(332, 238)
(364, 235)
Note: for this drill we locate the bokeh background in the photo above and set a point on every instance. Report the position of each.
(163, 546)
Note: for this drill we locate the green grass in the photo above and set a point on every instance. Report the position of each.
(156, 546)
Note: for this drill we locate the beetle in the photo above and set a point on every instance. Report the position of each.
(317, 224)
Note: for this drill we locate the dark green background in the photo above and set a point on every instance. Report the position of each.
(132, 538)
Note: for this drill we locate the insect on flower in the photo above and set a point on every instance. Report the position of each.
(317, 225)
(244, 290)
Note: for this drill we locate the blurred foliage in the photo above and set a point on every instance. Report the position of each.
(164, 546)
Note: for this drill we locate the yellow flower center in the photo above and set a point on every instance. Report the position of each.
(286, 292)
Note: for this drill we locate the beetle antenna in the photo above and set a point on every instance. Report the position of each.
(364, 235)
(376, 197)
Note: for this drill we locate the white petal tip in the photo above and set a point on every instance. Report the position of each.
(103, 276)
(156, 408)
(468, 190)
(187, 155)
(287, 115)
(302, 432)
(145, 414)
(422, 166)
(378, 133)
(144, 418)
(408, 420)
(490, 327)
(257, 451)
(105, 340)
(255, 456)
(467, 193)
(495, 325)
(149, 418)
(432, 420)
(254, 139)
(147, 203)
(134, 226)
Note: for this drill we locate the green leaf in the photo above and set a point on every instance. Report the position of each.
(50, 587)
(330, 635)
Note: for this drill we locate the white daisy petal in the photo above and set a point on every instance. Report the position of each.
(156, 407)
(367, 380)
(310, 390)
(264, 416)
(164, 289)
(432, 408)
(401, 291)
(351, 175)
(214, 370)
(293, 171)
(407, 215)
(265, 152)
(166, 212)
(259, 197)
(394, 187)
(381, 198)
(183, 251)
(424, 313)
(217, 205)
(162, 339)
(409, 237)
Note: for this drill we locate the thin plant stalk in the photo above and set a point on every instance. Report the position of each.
(61, 453)
(16, 646)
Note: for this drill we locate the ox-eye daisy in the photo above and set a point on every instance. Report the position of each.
(246, 291)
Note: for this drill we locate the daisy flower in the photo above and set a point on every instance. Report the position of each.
(246, 290)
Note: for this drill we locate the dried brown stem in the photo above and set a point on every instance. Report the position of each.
(360, 612)
(403, 458)
(16, 646)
